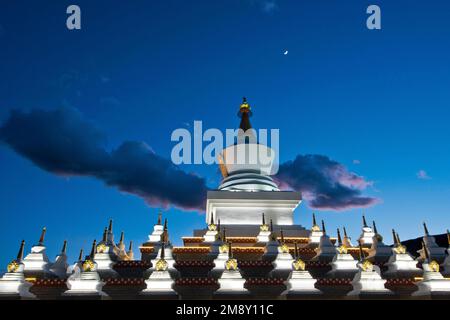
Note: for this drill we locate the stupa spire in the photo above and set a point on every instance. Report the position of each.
(110, 227)
(425, 251)
(93, 249)
(163, 247)
(364, 221)
(263, 219)
(426, 229)
(159, 218)
(105, 232)
(282, 236)
(165, 237)
(130, 247)
(245, 113)
(122, 236)
(42, 237)
(345, 232)
(20, 253)
(448, 237)
(339, 237)
(323, 227)
(80, 256)
(224, 236)
(64, 248)
(394, 236)
(361, 252)
(374, 227)
(314, 219)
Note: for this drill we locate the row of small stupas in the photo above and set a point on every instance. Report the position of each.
(216, 265)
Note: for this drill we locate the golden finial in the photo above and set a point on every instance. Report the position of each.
(244, 104)
(41, 239)
(88, 266)
(64, 248)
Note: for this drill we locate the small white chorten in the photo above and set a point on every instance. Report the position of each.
(300, 281)
(264, 232)
(59, 267)
(231, 281)
(160, 281)
(167, 247)
(368, 281)
(366, 237)
(37, 263)
(326, 250)
(401, 264)
(433, 283)
(212, 233)
(86, 282)
(158, 230)
(105, 255)
(433, 250)
(282, 264)
(13, 283)
(316, 233)
(343, 263)
(378, 252)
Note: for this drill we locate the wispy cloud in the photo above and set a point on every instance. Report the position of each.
(356, 161)
(422, 175)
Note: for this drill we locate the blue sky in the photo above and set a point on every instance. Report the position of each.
(139, 70)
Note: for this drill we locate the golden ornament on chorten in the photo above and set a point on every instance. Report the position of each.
(434, 266)
(367, 265)
(264, 227)
(161, 265)
(13, 266)
(284, 248)
(212, 227)
(223, 248)
(400, 249)
(299, 265)
(88, 266)
(342, 249)
(102, 248)
(231, 264)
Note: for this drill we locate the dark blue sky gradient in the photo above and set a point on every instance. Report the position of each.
(140, 69)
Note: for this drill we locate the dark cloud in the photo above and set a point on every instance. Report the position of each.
(62, 142)
(325, 183)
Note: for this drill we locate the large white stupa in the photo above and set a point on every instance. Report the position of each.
(247, 190)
